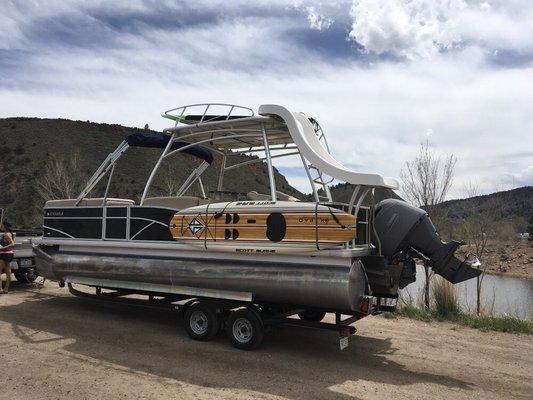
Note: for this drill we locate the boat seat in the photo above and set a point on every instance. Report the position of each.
(178, 203)
(89, 202)
(253, 195)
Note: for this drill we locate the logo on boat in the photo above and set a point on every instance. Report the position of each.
(196, 226)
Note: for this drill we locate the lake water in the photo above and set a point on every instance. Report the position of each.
(501, 294)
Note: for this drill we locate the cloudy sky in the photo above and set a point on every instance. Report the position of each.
(380, 76)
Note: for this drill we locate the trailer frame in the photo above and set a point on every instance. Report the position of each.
(268, 315)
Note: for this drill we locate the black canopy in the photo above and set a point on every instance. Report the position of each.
(160, 141)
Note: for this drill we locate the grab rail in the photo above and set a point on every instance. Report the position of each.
(207, 112)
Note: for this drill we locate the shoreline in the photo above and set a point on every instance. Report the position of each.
(510, 275)
(513, 260)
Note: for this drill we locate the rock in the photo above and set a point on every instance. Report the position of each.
(502, 268)
(504, 257)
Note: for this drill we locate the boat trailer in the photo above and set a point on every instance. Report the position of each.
(256, 318)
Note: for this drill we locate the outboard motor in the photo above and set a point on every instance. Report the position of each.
(401, 227)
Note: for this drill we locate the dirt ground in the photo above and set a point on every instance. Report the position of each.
(511, 260)
(55, 346)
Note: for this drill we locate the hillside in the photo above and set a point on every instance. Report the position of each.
(28, 144)
(508, 205)
(343, 191)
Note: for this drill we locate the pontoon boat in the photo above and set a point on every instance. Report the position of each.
(265, 252)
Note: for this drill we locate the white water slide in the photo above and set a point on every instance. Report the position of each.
(304, 137)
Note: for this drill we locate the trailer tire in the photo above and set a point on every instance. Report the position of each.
(244, 329)
(312, 315)
(26, 276)
(201, 322)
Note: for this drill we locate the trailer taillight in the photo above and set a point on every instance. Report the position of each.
(365, 305)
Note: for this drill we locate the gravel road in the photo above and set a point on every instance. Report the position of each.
(55, 346)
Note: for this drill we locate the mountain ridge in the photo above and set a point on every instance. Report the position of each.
(28, 143)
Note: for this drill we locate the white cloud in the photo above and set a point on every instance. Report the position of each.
(375, 115)
(375, 118)
(316, 20)
(410, 28)
(418, 29)
(522, 177)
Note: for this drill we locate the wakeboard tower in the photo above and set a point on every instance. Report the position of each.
(269, 253)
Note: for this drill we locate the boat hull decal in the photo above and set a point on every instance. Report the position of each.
(321, 226)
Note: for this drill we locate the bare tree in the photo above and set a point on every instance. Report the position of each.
(426, 181)
(62, 177)
(479, 227)
(169, 175)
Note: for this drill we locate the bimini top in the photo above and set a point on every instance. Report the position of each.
(159, 140)
(283, 129)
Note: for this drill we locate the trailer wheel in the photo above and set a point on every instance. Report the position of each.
(244, 329)
(26, 276)
(201, 322)
(312, 315)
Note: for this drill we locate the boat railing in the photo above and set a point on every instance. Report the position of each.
(364, 221)
(198, 114)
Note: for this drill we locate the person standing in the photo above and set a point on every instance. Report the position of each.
(6, 255)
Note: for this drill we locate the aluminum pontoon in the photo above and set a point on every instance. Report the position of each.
(244, 260)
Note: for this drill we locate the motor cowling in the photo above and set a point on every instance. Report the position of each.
(401, 227)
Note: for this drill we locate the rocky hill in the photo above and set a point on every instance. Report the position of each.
(28, 144)
(343, 191)
(509, 204)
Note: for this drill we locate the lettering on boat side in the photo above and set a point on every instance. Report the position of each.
(311, 220)
(255, 251)
(54, 214)
(254, 203)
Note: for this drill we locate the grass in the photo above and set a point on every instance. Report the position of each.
(482, 322)
(445, 307)
(445, 297)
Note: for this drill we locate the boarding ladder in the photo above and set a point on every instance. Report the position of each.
(320, 180)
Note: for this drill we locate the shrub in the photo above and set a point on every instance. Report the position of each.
(445, 297)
